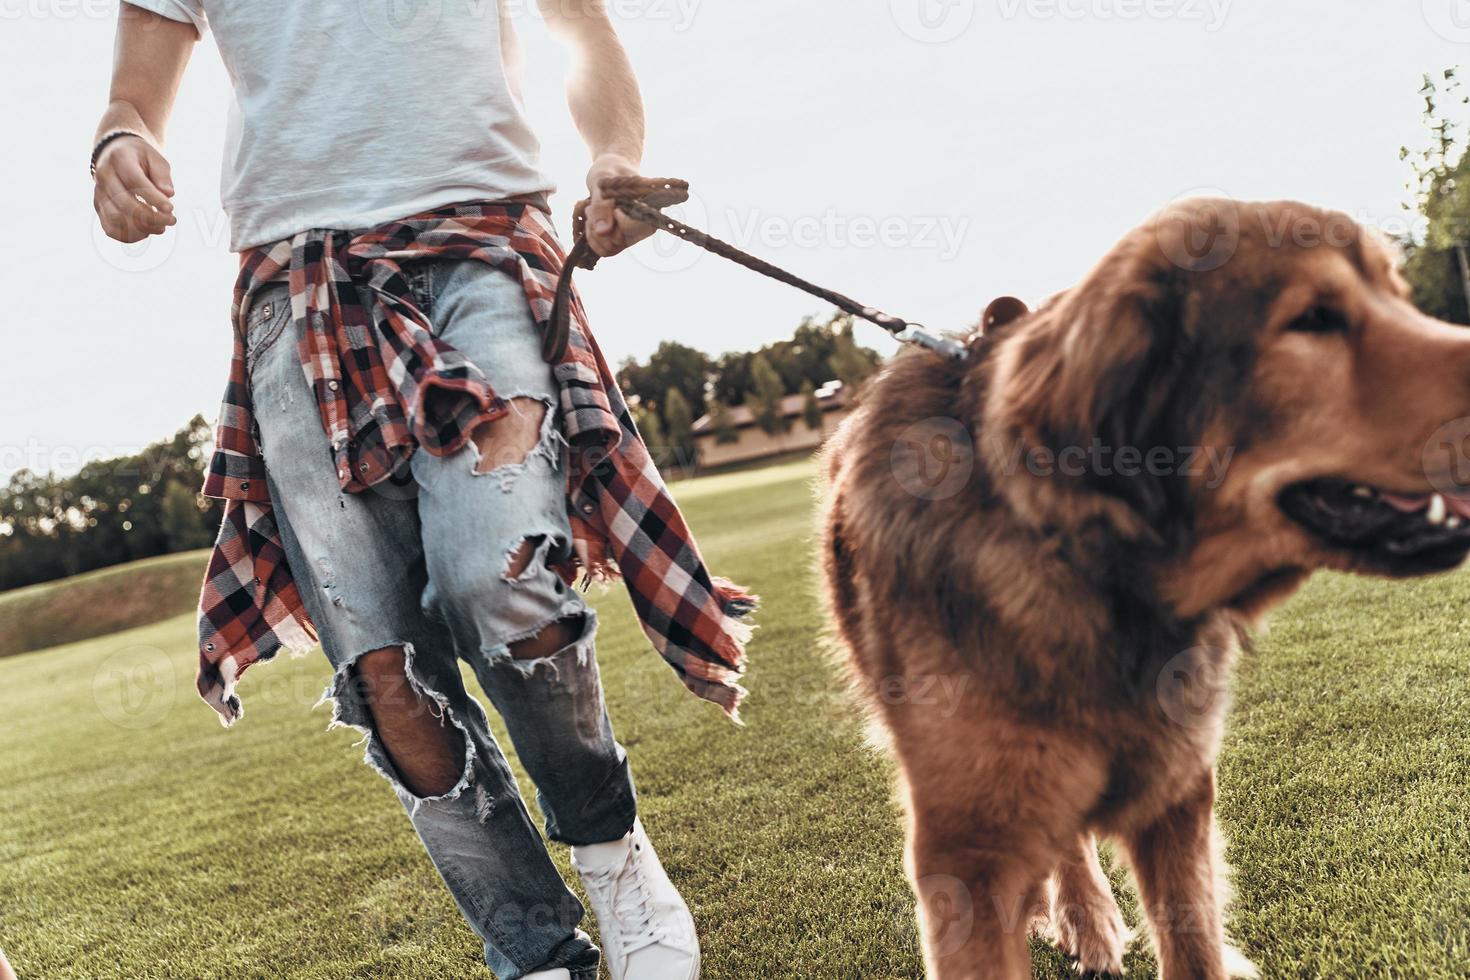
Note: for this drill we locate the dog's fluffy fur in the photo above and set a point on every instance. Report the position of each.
(1048, 645)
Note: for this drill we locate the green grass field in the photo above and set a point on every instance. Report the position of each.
(138, 839)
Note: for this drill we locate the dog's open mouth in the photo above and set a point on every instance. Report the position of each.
(1400, 533)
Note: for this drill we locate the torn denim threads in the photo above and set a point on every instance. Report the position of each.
(421, 564)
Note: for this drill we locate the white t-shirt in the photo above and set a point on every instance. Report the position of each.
(355, 112)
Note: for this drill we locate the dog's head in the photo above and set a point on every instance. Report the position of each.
(1246, 391)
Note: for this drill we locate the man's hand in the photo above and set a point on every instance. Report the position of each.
(609, 231)
(134, 187)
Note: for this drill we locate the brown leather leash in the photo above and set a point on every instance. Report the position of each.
(642, 199)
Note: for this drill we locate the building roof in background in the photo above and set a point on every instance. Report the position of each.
(831, 396)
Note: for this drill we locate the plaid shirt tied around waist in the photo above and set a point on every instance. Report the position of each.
(387, 387)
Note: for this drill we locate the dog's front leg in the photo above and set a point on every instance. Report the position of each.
(1180, 881)
(1084, 916)
(975, 904)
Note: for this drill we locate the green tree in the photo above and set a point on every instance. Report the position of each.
(722, 423)
(182, 527)
(651, 428)
(807, 356)
(811, 408)
(850, 363)
(765, 396)
(1437, 282)
(814, 353)
(1438, 268)
(680, 421)
(732, 377)
(673, 365)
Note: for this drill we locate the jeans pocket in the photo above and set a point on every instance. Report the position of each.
(270, 311)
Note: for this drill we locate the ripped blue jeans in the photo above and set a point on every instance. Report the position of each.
(425, 564)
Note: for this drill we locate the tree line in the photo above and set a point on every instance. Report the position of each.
(111, 511)
(678, 384)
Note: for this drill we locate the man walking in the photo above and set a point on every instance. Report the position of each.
(407, 480)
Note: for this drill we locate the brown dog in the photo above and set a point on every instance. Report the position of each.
(1042, 561)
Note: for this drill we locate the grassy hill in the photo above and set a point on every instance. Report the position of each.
(141, 592)
(142, 840)
(100, 602)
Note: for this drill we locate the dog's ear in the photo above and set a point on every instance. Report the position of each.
(1100, 369)
(1002, 310)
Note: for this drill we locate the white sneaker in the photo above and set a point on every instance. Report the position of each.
(560, 973)
(647, 931)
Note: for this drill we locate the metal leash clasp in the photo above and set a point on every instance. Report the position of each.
(943, 346)
(916, 334)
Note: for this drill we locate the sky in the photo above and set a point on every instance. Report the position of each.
(923, 156)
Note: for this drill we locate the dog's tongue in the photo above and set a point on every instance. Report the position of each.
(1413, 503)
(1408, 503)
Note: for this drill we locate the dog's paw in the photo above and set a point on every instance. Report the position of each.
(1095, 936)
(1237, 967)
(1094, 975)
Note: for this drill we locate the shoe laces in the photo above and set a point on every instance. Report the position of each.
(631, 900)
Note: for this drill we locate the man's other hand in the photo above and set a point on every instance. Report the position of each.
(133, 192)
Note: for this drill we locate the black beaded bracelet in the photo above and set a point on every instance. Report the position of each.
(116, 134)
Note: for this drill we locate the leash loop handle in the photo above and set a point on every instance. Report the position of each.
(625, 192)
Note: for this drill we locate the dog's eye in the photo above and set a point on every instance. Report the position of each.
(1320, 319)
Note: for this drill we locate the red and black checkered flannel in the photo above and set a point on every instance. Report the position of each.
(387, 387)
